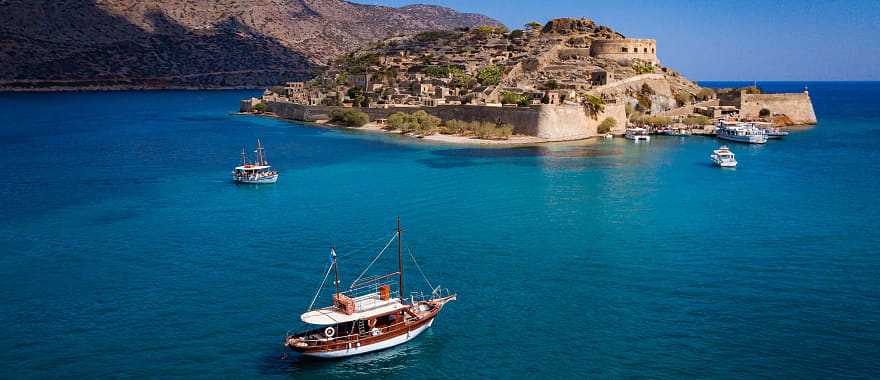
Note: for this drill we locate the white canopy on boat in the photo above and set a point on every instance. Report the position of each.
(367, 306)
(252, 167)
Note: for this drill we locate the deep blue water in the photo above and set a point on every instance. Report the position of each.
(126, 252)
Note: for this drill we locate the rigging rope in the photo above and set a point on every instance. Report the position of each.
(420, 269)
(374, 261)
(320, 287)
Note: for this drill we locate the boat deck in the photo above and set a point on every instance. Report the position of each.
(366, 306)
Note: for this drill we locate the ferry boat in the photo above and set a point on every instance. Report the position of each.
(257, 172)
(723, 157)
(772, 133)
(638, 134)
(369, 316)
(741, 132)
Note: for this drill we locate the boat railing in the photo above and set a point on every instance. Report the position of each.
(352, 337)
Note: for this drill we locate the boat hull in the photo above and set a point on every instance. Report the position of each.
(753, 139)
(271, 179)
(357, 349)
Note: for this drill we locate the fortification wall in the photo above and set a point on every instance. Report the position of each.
(551, 122)
(797, 106)
(643, 49)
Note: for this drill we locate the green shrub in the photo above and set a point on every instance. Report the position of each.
(350, 118)
(646, 89)
(594, 105)
(479, 129)
(751, 90)
(533, 25)
(514, 98)
(437, 71)
(552, 84)
(516, 33)
(489, 75)
(643, 69)
(696, 120)
(607, 125)
(434, 35)
(260, 107)
(419, 123)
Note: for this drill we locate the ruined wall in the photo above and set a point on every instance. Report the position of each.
(797, 106)
(643, 49)
(551, 122)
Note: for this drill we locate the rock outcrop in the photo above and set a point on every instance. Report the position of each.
(193, 43)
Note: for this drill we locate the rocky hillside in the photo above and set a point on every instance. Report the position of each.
(193, 43)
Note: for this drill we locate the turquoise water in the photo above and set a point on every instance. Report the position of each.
(126, 252)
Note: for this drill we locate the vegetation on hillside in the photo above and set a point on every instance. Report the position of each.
(514, 98)
(479, 129)
(593, 105)
(490, 75)
(697, 120)
(607, 125)
(419, 123)
(350, 118)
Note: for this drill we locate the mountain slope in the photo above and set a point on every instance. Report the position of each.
(193, 43)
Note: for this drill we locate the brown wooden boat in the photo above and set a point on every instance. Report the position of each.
(370, 316)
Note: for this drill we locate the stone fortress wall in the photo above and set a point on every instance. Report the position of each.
(797, 106)
(643, 49)
(550, 122)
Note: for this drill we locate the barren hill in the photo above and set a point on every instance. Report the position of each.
(193, 43)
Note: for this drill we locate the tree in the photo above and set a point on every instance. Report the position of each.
(489, 75)
(516, 33)
(552, 84)
(607, 125)
(260, 107)
(514, 98)
(533, 25)
(349, 118)
(594, 105)
(646, 89)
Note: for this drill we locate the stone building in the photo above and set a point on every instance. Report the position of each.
(641, 49)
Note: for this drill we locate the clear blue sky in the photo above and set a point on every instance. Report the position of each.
(723, 40)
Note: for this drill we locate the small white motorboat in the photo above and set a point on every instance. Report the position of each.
(638, 134)
(723, 157)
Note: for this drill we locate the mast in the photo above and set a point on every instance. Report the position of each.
(335, 268)
(243, 157)
(261, 157)
(399, 261)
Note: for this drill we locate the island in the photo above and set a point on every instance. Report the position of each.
(568, 79)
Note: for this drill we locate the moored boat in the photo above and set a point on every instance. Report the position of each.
(369, 316)
(637, 134)
(723, 157)
(740, 132)
(258, 172)
(770, 131)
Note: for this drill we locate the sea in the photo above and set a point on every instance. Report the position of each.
(127, 252)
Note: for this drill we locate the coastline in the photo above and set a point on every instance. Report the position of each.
(435, 138)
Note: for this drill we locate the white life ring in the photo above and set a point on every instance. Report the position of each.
(329, 332)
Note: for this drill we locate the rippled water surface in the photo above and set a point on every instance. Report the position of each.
(126, 252)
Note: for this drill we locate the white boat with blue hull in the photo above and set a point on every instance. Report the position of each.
(741, 132)
(258, 172)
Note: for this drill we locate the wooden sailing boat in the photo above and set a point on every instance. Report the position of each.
(369, 316)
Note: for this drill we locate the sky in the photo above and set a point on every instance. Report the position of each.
(722, 40)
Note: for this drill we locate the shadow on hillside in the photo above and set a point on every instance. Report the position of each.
(86, 45)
